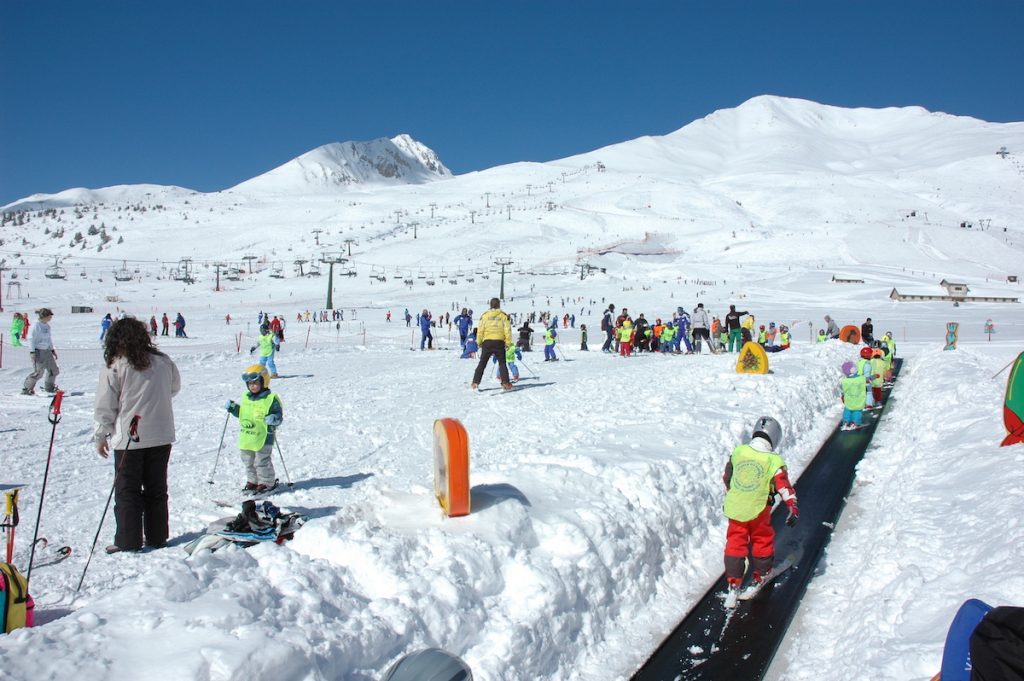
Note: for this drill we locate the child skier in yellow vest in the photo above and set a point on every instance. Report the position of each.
(259, 413)
(753, 475)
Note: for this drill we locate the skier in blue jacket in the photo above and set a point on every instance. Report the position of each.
(463, 322)
(682, 324)
(428, 338)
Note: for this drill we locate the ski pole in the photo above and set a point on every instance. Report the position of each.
(54, 418)
(133, 436)
(527, 367)
(287, 477)
(11, 519)
(219, 447)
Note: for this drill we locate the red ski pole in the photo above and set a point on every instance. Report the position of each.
(53, 418)
(133, 436)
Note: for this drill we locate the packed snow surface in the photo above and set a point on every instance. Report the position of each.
(596, 486)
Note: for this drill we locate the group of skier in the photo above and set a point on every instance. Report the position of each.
(625, 335)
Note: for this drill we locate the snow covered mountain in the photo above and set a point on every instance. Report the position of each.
(773, 179)
(395, 161)
(381, 162)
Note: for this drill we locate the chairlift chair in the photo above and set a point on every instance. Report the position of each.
(122, 274)
(55, 271)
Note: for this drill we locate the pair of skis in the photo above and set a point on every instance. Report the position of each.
(732, 597)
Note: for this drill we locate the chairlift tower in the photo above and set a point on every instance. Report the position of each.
(250, 257)
(331, 259)
(503, 263)
(316, 235)
(349, 242)
(218, 266)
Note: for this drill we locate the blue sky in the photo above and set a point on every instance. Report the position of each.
(207, 94)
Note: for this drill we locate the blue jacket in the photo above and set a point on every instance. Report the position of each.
(424, 324)
(463, 322)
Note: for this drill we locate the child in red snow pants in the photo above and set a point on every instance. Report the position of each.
(754, 536)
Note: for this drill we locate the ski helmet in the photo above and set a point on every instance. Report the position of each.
(264, 328)
(257, 371)
(431, 664)
(866, 352)
(849, 369)
(768, 428)
(762, 327)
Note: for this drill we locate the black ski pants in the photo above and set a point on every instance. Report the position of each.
(488, 349)
(140, 496)
(607, 347)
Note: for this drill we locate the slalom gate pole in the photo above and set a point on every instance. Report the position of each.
(54, 418)
(219, 447)
(287, 477)
(133, 436)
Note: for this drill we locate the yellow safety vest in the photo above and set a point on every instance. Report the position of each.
(252, 416)
(751, 483)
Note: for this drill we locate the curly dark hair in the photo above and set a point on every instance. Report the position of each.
(129, 338)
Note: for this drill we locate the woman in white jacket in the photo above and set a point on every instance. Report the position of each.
(134, 417)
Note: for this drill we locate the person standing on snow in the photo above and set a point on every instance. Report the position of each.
(259, 413)
(494, 334)
(608, 326)
(733, 328)
(43, 354)
(427, 337)
(268, 345)
(550, 334)
(134, 417)
(165, 324)
(17, 324)
(701, 328)
(525, 337)
(463, 321)
(753, 476)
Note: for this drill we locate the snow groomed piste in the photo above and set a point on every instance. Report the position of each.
(713, 643)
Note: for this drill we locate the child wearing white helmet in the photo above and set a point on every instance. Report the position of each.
(753, 476)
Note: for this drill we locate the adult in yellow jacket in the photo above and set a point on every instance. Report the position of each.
(494, 334)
